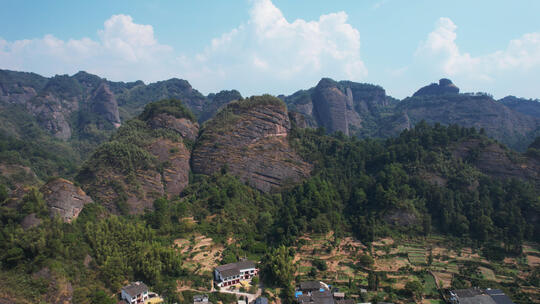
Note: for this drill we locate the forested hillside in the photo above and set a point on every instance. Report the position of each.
(413, 185)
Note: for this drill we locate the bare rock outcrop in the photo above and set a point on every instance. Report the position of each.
(494, 160)
(148, 158)
(103, 102)
(64, 199)
(184, 126)
(249, 139)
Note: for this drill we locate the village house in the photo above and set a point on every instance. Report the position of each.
(313, 292)
(479, 296)
(135, 293)
(234, 273)
(201, 299)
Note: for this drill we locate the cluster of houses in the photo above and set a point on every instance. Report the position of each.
(313, 292)
(479, 296)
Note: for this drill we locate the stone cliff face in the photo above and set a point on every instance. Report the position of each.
(529, 107)
(334, 108)
(103, 102)
(64, 199)
(56, 101)
(494, 160)
(350, 107)
(249, 140)
(145, 160)
(479, 111)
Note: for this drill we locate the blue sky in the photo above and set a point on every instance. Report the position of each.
(264, 46)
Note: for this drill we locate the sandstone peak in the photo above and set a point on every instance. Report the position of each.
(249, 139)
(445, 86)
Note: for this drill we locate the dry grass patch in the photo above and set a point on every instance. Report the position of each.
(533, 260)
(444, 279)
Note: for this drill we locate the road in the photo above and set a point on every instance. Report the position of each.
(251, 297)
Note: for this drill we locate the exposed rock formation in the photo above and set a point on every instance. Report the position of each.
(494, 160)
(478, 111)
(249, 139)
(146, 159)
(103, 102)
(30, 221)
(64, 199)
(445, 86)
(334, 108)
(184, 126)
(350, 107)
(529, 107)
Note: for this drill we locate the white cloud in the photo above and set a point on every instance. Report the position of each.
(125, 50)
(267, 53)
(520, 56)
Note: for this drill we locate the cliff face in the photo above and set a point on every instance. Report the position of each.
(64, 199)
(103, 102)
(346, 106)
(494, 160)
(249, 139)
(334, 108)
(479, 111)
(147, 158)
(529, 107)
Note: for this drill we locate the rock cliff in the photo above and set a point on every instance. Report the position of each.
(346, 106)
(64, 199)
(147, 158)
(248, 138)
(495, 160)
(473, 110)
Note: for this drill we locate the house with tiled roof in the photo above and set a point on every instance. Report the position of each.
(135, 293)
(234, 273)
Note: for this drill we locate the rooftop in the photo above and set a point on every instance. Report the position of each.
(233, 269)
(135, 288)
(310, 285)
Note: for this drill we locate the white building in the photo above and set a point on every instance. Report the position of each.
(231, 274)
(135, 293)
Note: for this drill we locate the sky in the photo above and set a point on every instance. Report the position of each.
(278, 46)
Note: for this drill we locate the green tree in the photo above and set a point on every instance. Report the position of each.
(415, 289)
(277, 267)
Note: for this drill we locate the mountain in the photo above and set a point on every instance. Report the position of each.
(365, 110)
(67, 117)
(165, 200)
(248, 138)
(529, 107)
(349, 107)
(147, 158)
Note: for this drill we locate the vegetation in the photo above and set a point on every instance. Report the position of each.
(409, 186)
(172, 107)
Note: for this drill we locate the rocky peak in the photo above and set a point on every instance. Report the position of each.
(103, 102)
(445, 86)
(64, 199)
(144, 160)
(248, 138)
(333, 107)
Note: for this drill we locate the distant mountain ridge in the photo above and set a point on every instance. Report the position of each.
(365, 110)
(85, 109)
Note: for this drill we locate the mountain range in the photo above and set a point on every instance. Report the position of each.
(97, 178)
